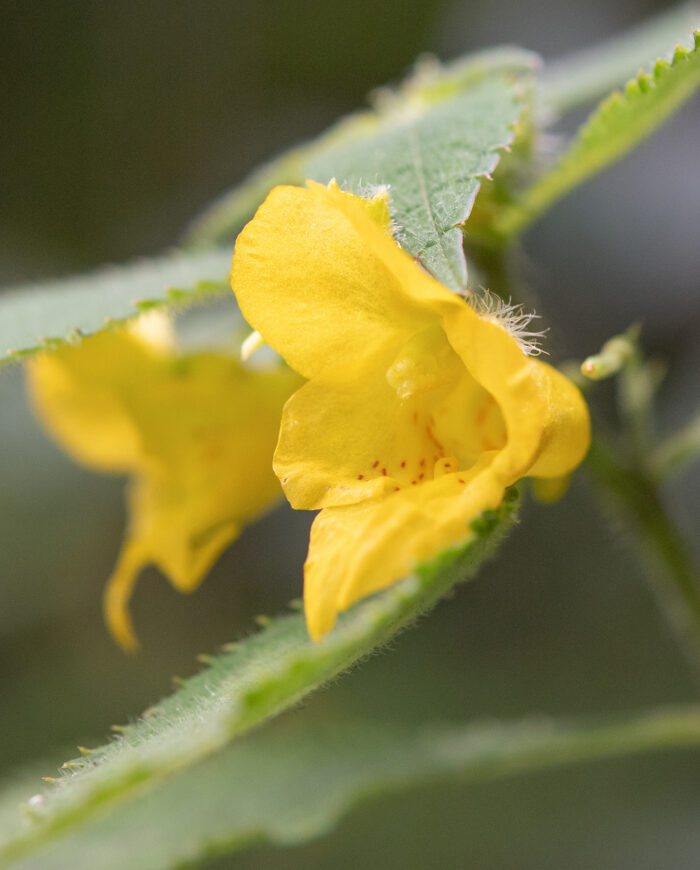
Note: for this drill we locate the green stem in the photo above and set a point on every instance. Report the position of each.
(680, 449)
(629, 475)
(634, 491)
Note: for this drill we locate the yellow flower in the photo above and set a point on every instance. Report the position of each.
(418, 412)
(195, 432)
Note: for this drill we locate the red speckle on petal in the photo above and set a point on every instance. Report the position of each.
(403, 463)
(460, 480)
(360, 477)
(375, 463)
(384, 471)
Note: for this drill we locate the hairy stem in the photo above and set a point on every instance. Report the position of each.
(679, 450)
(676, 580)
(627, 471)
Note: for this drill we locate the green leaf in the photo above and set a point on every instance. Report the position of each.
(620, 123)
(257, 679)
(34, 317)
(432, 157)
(591, 73)
(432, 140)
(289, 784)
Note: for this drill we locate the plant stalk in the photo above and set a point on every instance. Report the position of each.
(677, 578)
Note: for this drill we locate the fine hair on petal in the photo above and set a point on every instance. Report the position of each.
(512, 317)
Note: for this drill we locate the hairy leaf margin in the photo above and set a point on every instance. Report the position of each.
(46, 315)
(249, 683)
(620, 123)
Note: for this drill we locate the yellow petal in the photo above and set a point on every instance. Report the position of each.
(321, 280)
(356, 432)
(323, 456)
(546, 418)
(117, 595)
(416, 287)
(169, 530)
(548, 490)
(359, 549)
(201, 432)
(79, 393)
(567, 430)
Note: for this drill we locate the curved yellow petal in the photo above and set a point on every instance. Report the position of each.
(354, 433)
(199, 433)
(320, 280)
(117, 594)
(546, 418)
(416, 287)
(324, 455)
(549, 490)
(80, 393)
(359, 549)
(567, 431)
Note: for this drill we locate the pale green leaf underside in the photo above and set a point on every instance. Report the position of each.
(618, 125)
(562, 85)
(432, 158)
(430, 84)
(453, 141)
(289, 784)
(259, 678)
(591, 73)
(35, 316)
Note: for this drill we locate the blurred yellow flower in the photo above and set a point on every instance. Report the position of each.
(196, 434)
(418, 411)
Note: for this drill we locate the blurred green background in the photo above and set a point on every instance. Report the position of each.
(121, 121)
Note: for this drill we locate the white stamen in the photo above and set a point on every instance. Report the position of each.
(254, 342)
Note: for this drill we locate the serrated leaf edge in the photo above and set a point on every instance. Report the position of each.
(173, 297)
(550, 187)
